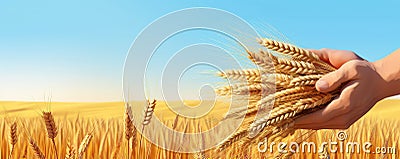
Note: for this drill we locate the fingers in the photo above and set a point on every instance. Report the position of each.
(331, 81)
(336, 58)
(320, 117)
(335, 79)
(342, 121)
(339, 114)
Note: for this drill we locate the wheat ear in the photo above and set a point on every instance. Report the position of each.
(294, 67)
(129, 127)
(295, 96)
(240, 74)
(71, 151)
(38, 153)
(13, 137)
(262, 88)
(289, 66)
(261, 60)
(148, 114)
(232, 139)
(228, 90)
(84, 145)
(308, 80)
(287, 111)
(51, 129)
(265, 101)
(296, 53)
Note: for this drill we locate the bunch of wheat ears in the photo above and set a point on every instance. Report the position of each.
(283, 85)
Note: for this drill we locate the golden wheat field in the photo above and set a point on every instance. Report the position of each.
(104, 123)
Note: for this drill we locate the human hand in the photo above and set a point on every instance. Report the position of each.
(358, 81)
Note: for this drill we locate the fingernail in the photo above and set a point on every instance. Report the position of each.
(322, 85)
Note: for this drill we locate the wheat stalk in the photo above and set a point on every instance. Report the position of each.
(201, 154)
(115, 153)
(51, 128)
(175, 123)
(133, 143)
(25, 151)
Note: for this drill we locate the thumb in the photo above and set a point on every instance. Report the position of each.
(332, 80)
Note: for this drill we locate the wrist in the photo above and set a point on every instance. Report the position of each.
(388, 85)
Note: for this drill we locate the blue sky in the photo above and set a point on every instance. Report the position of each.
(75, 50)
